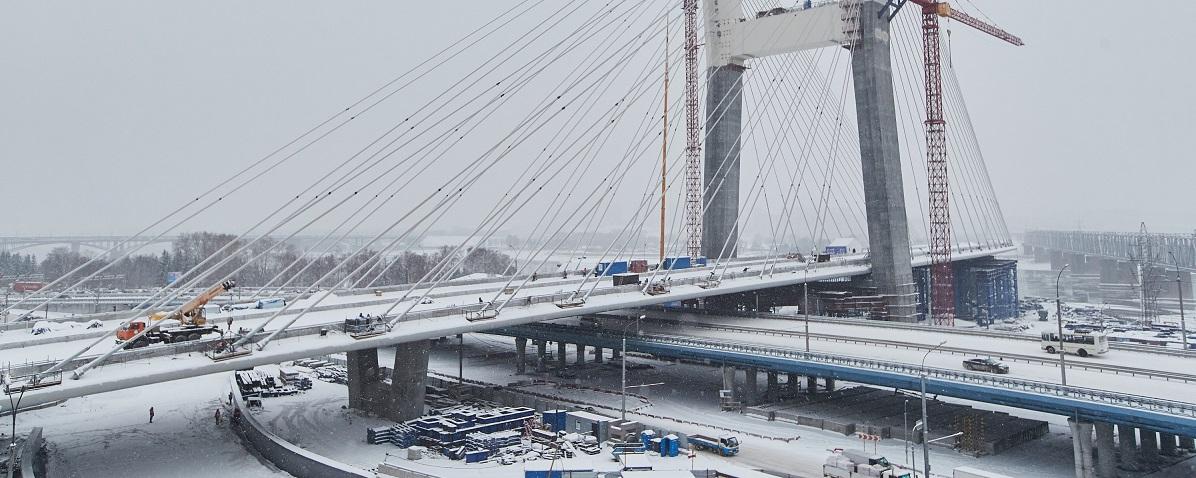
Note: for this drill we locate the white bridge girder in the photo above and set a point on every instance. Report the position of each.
(733, 39)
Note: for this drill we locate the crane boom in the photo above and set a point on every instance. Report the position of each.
(978, 24)
(188, 309)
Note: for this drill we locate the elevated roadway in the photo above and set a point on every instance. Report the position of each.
(535, 303)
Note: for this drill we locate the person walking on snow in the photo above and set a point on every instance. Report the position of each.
(151, 414)
(217, 417)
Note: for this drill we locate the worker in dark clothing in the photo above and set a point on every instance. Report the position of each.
(479, 300)
(236, 416)
(151, 414)
(230, 398)
(230, 324)
(217, 416)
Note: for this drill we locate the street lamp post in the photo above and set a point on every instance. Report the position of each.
(925, 416)
(1179, 289)
(1059, 316)
(623, 366)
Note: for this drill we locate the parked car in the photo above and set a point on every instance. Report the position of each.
(985, 365)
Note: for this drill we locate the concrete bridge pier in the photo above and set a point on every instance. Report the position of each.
(793, 382)
(1167, 444)
(1127, 444)
(880, 158)
(750, 387)
(729, 379)
(581, 354)
(1148, 453)
(811, 384)
(520, 355)
(772, 392)
(830, 384)
(598, 355)
(365, 380)
(560, 356)
(408, 381)
(1081, 433)
(1106, 452)
(541, 356)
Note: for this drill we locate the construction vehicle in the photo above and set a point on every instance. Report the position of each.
(725, 445)
(188, 323)
(853, 464)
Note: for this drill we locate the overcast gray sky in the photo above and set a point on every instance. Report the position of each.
(113, 112)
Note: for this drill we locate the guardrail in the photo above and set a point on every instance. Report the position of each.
(1043, 388)
(1011, 357)
(919, 327)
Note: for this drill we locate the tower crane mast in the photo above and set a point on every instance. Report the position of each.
(942, 274)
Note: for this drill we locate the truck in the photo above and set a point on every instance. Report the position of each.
(725, 445)
(855, 464)
(186, 324)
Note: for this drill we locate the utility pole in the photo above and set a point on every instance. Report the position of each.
(925, 416)
(1059, 316)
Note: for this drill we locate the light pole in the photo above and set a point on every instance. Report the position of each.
(905, 427)
(925, 419)
(1059, 316)
(1179, 289)
(623, 366)
(806, 300)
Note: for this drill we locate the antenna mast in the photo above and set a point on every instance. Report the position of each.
(693, 146)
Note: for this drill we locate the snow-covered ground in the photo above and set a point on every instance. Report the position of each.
(109, 434)
(316, 421)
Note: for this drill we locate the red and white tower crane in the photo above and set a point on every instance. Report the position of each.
(942, 276)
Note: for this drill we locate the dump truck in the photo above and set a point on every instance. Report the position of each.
(725, 445)
(186, 324)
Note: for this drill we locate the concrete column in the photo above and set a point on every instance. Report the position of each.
(1167, 444)
(1106, 454)
(581, 354)
(749, 387)
(830, 384)
(793, 381)
(598, 355)
(1081, 440)
(811, 384)
(560, 355)
(772, 392)
(884, 195)
(729, 379)
(541, 356)
(1148, 453)
(1127, 444)
(364, 380)
(520, 355)
(408, 381)
(724, 125)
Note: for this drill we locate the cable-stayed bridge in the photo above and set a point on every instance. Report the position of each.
(562, 122)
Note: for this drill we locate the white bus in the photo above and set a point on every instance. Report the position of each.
(1079, 344)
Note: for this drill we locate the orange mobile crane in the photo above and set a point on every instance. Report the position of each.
(188, 323)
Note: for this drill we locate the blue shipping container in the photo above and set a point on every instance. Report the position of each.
(611, 268)
(675, 263)
(555, 419)
(700, 261)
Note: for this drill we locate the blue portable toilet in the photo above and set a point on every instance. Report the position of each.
(646, 437)
(674, 445)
